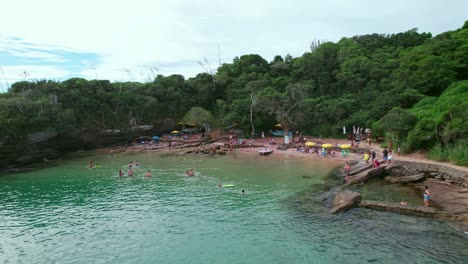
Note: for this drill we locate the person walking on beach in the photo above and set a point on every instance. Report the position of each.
(427, 196)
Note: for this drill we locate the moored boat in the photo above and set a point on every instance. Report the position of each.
(265, 151)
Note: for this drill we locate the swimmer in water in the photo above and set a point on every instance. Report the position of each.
(148, 173)
(190, 172)
(120, 173)
(130, 172)
(90, 164)
(243, 192)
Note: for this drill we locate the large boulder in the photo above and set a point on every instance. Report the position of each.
(344, 200)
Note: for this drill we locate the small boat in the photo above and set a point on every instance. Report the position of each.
(265, 151)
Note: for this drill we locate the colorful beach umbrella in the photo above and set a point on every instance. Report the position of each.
(175, 132)
(310, 144)
(345, 146)
(278, 125)
(155, 138)
(327, 145)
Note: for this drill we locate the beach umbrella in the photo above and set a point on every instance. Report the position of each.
(327, 145)
(345, 146)
(175, 132)
(278, 125)
(310, 144)
(155, 138)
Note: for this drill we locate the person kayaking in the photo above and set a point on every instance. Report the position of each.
(190, 172)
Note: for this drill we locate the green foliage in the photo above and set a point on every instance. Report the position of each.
(397, 122)
(198, 116)
(442, 120)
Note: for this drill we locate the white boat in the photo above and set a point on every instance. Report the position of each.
(265, 151)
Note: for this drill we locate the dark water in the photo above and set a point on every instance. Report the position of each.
(72, 214)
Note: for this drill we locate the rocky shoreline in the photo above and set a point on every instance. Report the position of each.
(449, 192)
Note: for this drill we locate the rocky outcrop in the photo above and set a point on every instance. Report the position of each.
(435, 171)
(406, 179)
(366, 175)
(407, 210)
(360, 167)
(344, 200)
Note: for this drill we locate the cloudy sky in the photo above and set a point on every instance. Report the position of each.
(134, 40)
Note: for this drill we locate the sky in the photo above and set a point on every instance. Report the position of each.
(136, 40)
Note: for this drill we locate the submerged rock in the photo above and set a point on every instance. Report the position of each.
(344, 200)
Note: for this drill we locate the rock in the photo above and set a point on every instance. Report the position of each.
(344, 200)
(282, 147)
(407, 210)
(366, 175)
(406, 179)
(360, 167)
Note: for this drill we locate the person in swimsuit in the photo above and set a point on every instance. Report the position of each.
(120, 173)
(427, 196)
(347, 168)
(190, 172)
(130, 172)
(148, 173)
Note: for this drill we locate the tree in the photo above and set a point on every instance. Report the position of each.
(199, 116)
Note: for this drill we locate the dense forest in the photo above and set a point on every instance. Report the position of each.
(409, 87)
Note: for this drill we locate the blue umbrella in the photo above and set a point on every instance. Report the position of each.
(155, 138)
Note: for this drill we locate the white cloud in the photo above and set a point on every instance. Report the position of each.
(16, 73)
(138, 34)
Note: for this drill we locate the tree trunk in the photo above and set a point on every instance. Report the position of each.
(251, 113)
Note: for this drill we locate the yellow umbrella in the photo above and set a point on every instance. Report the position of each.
(175, 132)
(310, 144)
(327, 145)
(278, 125)
(345, 146)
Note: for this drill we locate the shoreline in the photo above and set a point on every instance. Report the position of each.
(448, 190)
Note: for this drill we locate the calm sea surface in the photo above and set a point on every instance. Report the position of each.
(72, 214)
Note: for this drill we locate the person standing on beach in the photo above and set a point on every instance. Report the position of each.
(390, 156)
(373, 155)
(385, 155)
(427, 196)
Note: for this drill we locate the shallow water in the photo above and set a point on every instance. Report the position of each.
(72, 214)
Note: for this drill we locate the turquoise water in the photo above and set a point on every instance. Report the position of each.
(72, 214)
